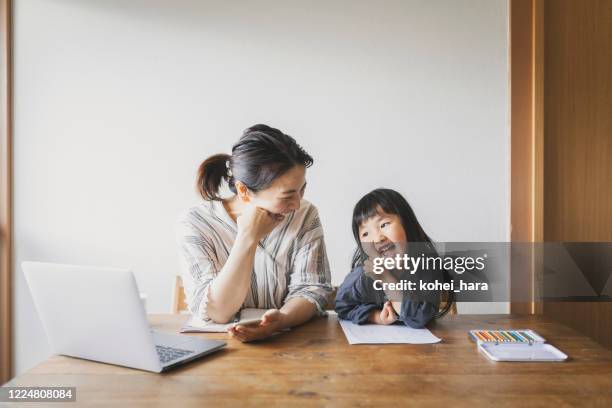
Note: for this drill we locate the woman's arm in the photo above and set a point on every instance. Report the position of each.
(230, 287)
(296, 311)
(293, 313)
(308, 288)
(205, 285)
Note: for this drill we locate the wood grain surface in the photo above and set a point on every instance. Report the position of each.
(313, 365)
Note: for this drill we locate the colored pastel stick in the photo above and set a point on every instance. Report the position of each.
(505, 335)
(509, 334)
(516, 336)
(487, 336)
(480, 336)
(483, 335)
(528, 336)
(496, 336)
(520, 336)
(502, 335)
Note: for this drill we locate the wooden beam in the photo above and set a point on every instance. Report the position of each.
(526, 147)
(6, 192)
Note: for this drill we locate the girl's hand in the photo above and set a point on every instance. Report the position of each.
(271, 322)
(368, 269)
(384, 316)
(255, 222)
(368, 265)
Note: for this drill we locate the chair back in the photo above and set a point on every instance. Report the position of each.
(178, 299)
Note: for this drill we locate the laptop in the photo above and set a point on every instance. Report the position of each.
(96, 314)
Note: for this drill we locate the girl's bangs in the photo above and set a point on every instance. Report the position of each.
(366, 208)
(369, 206)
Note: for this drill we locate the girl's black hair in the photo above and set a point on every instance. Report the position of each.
(262, 154)
(392, 202)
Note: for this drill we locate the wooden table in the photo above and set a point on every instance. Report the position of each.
(313, 365)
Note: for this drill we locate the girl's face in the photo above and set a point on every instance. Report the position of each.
(384, 234)
(283, 196)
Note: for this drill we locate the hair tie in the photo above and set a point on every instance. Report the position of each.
(227, 166)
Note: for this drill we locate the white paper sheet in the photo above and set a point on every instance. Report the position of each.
(196, 325)
(392, 334)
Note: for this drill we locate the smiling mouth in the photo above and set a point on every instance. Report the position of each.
(386, 248)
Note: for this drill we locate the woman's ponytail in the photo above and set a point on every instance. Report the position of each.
(211, 174)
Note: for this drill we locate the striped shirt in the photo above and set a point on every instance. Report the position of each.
(289, 262)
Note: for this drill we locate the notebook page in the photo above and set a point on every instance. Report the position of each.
(380, 334)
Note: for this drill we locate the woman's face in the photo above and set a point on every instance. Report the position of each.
(384, 234)
(284, 194)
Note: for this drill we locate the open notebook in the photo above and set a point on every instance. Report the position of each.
(196, 325)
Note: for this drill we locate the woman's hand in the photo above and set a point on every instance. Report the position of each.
(255, 222)
(270, 323)
(384, 316)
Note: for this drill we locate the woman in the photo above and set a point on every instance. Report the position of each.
(260, 248)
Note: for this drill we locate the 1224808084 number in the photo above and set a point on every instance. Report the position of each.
(37, 394)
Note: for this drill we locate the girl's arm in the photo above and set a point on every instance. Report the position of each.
(356, 301)
(417, 314)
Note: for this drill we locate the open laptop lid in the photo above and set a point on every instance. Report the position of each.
(92, 313)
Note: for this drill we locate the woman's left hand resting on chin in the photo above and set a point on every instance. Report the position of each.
(296, 311)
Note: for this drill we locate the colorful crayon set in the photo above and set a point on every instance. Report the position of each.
(515, 345)
(505, 336)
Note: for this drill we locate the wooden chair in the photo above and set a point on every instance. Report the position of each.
(453, 309)
(178, 300)
(331, 300)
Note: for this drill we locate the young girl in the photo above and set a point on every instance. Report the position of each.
(384, 225)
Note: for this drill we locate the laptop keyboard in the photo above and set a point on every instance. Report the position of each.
(167, 354)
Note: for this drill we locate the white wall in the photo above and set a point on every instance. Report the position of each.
(117, 102)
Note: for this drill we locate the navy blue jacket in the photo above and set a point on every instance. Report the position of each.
(357, 297)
